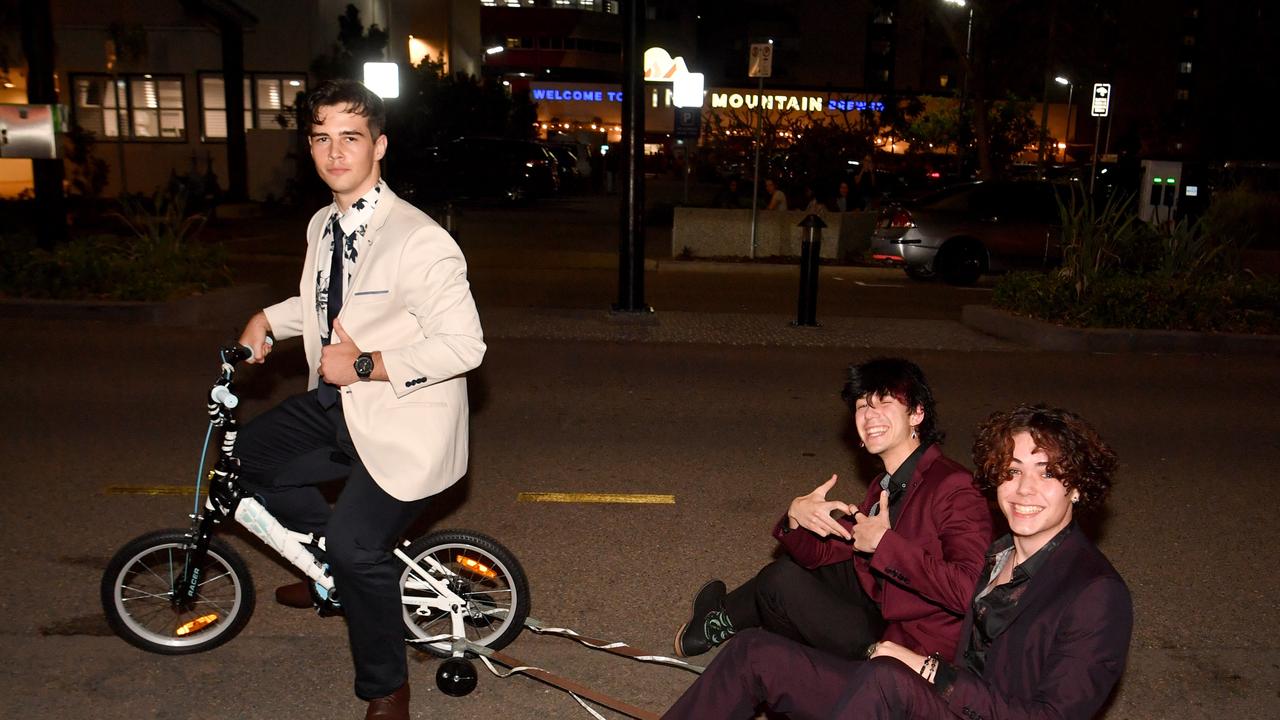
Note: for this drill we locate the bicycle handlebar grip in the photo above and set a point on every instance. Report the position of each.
(222, 395)
(236, 353)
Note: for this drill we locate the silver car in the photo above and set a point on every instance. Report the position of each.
(966, 230)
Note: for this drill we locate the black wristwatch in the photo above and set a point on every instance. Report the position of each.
(364, 365)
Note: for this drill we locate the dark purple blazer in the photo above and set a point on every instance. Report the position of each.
(1064, 651)
(923, 572)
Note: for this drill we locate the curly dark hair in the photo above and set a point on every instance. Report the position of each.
(352, 97)
(1078, 456)
(898, 378)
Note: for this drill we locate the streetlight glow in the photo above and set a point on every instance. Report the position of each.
(494, 50)
(1061, 80)
(957, 3)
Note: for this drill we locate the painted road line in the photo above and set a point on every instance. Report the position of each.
(867, 284)
(150, 490)
(624, 498)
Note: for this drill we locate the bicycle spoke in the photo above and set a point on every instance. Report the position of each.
(143, 594)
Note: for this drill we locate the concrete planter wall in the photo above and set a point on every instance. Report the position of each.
(713, 232)
(231, 305)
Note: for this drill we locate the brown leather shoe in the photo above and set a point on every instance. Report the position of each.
(392, 707)
(295, 595)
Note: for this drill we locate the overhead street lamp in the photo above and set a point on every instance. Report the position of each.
(1071, 89)
(968, 47)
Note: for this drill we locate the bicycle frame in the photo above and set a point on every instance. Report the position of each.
(227, 498)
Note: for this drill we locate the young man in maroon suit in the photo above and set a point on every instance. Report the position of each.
(900, 566)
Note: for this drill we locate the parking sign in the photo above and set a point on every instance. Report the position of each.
(1101, 99)
(761, 60)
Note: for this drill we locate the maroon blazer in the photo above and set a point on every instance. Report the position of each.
(923, 572)
(1064, 651)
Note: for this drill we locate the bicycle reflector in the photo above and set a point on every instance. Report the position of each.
(476, 567)
(199, 623)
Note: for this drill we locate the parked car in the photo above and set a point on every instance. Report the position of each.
(966, 230)
(475, 167)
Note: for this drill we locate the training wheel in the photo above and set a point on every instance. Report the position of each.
(456, 677)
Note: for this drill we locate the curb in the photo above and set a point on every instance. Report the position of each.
(237, 302)
(1047, 336)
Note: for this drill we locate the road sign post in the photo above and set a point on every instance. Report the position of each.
(1100, 109)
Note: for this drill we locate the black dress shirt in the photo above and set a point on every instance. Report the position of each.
(994, 608)
(896, 483)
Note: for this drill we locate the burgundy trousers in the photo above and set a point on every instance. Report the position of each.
(757, 670)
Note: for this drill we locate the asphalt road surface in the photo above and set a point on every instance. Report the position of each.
(733, 432)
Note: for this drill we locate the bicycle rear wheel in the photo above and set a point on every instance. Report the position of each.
(137, 592)
(483, 573)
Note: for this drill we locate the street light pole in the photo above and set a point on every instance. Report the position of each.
(968, 49)
(1066, 133)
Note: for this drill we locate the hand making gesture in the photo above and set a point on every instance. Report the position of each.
(868, 529)
(813, 512)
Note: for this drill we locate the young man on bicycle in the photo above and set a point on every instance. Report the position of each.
(389, 328)
(901, 566)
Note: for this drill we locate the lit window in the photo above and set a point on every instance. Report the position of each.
(274, 100)
(943, 80)
(140, 107)
(1184, 67)
(1183, 94)
(213, 106)
(269, 102)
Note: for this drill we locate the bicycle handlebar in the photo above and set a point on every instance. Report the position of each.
(221, 393)
(233, 354)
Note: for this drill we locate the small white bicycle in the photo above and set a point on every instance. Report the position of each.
(176, 592)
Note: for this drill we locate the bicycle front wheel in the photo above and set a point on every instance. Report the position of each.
(480, 571)
(137, 594)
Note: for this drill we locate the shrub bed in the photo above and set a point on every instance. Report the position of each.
(1239, 303)
(110, 267)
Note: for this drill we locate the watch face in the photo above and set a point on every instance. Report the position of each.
(364, 365)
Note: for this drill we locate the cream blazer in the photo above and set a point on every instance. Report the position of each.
(409, 299)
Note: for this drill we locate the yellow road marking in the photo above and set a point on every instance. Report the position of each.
(565, 497)
(150, 490)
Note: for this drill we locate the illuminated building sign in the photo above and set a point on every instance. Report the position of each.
(659, 66)
(855, 105)
(587, 95)
(719, 99)
(779, 101)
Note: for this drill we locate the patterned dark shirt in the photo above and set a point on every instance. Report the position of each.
(351, 227)
(995, 606)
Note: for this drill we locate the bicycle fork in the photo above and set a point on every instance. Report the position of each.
(227, 499)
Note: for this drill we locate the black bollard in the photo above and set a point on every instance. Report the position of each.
(810, 252)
